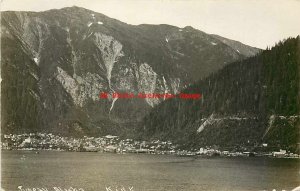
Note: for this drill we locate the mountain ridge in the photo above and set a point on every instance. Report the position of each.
(66, 57)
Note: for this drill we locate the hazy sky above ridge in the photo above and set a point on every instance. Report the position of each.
(258, 23)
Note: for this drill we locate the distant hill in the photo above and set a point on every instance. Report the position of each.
(247, 103)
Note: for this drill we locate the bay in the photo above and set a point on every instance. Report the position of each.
(102, 171)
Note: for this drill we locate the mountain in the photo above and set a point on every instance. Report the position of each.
(55, 64)
(246, 103)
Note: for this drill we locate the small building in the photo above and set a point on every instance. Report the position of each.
(281, 153)
(91, 148)
(110, 148)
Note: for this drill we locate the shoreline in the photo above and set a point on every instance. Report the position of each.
(165, 154)
(114, 144)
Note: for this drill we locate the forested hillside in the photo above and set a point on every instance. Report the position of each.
(246, 103)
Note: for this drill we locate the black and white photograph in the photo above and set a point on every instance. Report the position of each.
(150, 95)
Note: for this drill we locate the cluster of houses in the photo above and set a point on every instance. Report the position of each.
(108, 143)
(113, 144)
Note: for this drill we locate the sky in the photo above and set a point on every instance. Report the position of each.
(258, 23)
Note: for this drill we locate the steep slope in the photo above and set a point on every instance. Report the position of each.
(239, 47)
(55, 64)
(246, 103)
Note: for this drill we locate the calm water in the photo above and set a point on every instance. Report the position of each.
(96, 171)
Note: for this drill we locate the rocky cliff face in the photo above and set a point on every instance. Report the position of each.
(55, 64)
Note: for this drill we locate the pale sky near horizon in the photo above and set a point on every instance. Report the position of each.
(258, 23)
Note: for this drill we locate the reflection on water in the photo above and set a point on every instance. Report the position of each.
(99, 171)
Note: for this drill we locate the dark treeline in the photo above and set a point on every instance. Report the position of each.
(241, 99)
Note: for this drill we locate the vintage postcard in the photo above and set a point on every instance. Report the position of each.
(150, 95)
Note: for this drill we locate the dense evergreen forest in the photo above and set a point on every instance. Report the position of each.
(247, 103)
